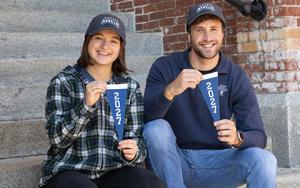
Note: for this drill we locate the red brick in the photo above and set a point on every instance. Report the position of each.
(288, 11)
(220, 4)
(242, 58)
(182, 20)
(257, 68)
(230, 39)
(178, 46)
(167, 22)
(150, 25)
(251, 68)
(200, 1)
(173, 13)
(229, 13)
(185, 3)
(170, 39)
(125, 5)
(167, 47)
(230, 49)
(158, 15)
(183, 37)
(139, 27)
(150, 8)
(140, 2)
(166, 5)
(141, 18)
(231, 23)
(138, 10)
(270, 2)
(178, 29)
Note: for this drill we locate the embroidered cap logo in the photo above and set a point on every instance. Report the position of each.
(110, 20)
(206, 6)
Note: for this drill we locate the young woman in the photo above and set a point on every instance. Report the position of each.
(85, 151)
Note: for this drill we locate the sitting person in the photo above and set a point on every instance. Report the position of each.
(186, 147)
(85, 151)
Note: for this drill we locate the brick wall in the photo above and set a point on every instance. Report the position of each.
(269, 51)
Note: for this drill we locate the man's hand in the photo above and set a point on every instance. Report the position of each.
(129, 148)
(188, 78)
(227, 131)
(93, 92)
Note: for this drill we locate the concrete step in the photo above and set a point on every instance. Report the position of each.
(26, 172)
(68, 45)
(21, 172)
(54, 21)
(288, 178)
(76, 6)
(23, 83)
(22, 138)
(140, 66)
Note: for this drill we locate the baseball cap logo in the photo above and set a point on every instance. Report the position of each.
(206, 6)
(110, 20)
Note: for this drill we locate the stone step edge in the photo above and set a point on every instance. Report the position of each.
(64, 5)
(127, 17)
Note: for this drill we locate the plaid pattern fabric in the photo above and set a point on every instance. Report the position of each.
(79, 139)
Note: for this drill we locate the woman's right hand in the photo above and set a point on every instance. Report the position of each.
(93, 92)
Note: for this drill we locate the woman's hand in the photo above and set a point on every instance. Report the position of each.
(93, 92)
(129, 148)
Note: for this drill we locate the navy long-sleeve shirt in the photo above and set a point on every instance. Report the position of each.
(188, 114)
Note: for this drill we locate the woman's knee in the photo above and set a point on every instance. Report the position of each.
(148, 179)
(68, 179)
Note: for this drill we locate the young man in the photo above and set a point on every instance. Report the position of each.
(186, 148)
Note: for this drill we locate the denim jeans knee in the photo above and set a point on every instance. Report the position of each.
(262, 168)
(158, 133)
(163, 154)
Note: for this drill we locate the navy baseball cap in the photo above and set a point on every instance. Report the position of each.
(107, 21)
(202, 9)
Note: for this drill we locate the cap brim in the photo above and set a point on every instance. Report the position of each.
(108, 28)
(191, 21)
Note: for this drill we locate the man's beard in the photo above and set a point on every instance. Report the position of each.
(201, 53)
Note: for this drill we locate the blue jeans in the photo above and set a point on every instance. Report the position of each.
(181, 168)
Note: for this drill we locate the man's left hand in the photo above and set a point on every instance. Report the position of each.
(227, 131)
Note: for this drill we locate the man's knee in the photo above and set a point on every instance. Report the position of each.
(263, 160)
(157, 128)
(158, 132)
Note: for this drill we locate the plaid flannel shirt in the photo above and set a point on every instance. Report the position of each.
(79, 139)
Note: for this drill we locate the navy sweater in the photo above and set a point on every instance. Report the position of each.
(188, 114)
